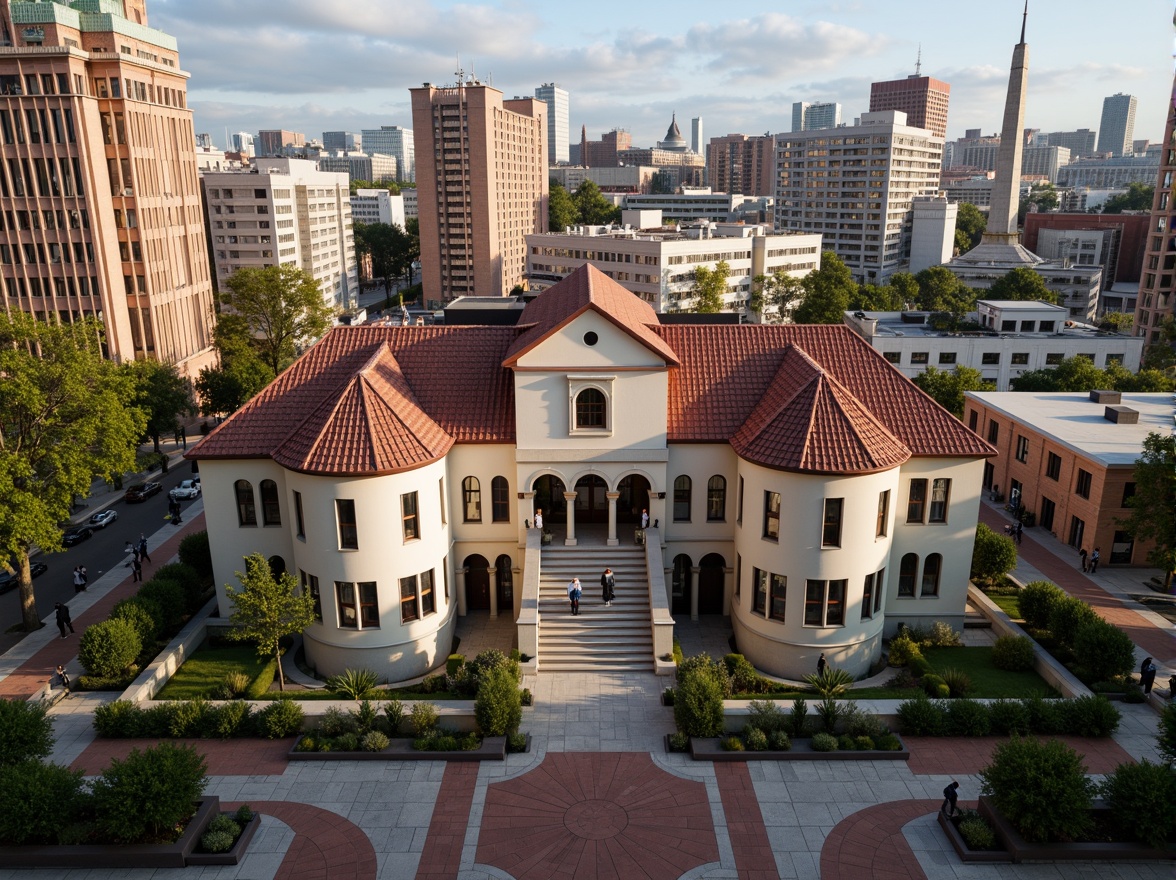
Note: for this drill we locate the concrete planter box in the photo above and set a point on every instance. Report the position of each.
(979, 856)
(709, 749)
(493, 748)
(1023, 851)
(163, 855)
(234, 855)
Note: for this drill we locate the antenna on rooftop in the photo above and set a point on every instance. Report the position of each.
(919, 61)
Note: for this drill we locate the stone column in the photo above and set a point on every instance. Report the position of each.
(669, 587)
(728, 589)
(570, 500)
(612, 518)
(462, 606)
(694, 593)
(516, 584)
(493, 591)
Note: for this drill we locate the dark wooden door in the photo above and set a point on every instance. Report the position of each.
(478, 589)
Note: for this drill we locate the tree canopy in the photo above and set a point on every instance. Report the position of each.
(1080, 374)
(283, 307)
(392, 249)
(773, 297)
(586, 206)
(947, 387)
(66, 416)
(1043, 195)
(561, 210)
(709, 287)
(942, 291)
(970, 225)
(162, 394)
(1138, 197)
(827, 292)
(1022, 284)
(241, 374)
(1153, 507)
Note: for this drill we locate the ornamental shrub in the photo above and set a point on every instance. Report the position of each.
(365, 715)
(888, 742)
(863, 743)
(516, 743)
(918, 666)
(766, 716)
(244, 815)
(958, 682)
(859, 723)
(498, 708)
(1008, 717)
(39, 799)
(977, 834)
(260, 686)
(225, 823)
(830, 711)
(993, 556)
(172, 602)
(698, 704)
(423, 718)
(374, 741)
(353, 684)
(217, 841)
(336, 722)
(731, 743)
(901, 649)
(1041, 787)
(778, 741)
(1103, 650)
(824, 742)
(189, 717)
(1036, 601)
(1142, 798)
(118, 720)
(189, 581)
(280, 719)
(755, 739)
(744, 678)
(142, 614)
(1013, 653)
(108, 649)
(1045, 716)
(798, 718)
(967, 718)
(679, 742)
(1089, 716)
(466, 682)
(229, 720)
(453, 664)
(717, 669)
(195, 552)
(145, 796)
(1067, 616)
(26, 732)
(935, 686)
(394, 714)
(921, 717)
(1166, 739)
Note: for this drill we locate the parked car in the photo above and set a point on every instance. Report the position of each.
(12, 581)
(76, 535)
(187, 489)
(142, 491)
(102, 519)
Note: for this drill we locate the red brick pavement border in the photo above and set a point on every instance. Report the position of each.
(441, 857)
(959, 755)
(870, 843)
(233, 757)
(31, 675)
(745, 823)
(1161, 644)
(326, 846)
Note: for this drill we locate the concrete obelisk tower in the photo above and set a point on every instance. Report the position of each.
(1002, 217)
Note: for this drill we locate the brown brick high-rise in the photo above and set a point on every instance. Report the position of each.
(922, 98)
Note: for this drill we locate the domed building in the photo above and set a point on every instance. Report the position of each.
(795, 482)
(674, 141)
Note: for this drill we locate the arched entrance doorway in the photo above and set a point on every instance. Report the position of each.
(549, 497)
(634, 498)
(277, 566)
(591, 500)
(711, 571)
(503, 566)
(680, 586)
(477, 583)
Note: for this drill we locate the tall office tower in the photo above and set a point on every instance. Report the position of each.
(284, 211)
(923, 99)
(99, 188)
(483, 186)
(697, 144)
(556, 100)
(343, 141)
(392, 140)
(1157, 287)
(1117, 129)
(810, 117)
(244, 143)
(740, 164)
(1080, 143)
(821, 187)
(271, 142)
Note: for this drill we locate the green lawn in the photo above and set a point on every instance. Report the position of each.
(402, 694)
(1009, 604)
(207, 668)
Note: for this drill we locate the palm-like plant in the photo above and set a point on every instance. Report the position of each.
(830, 682)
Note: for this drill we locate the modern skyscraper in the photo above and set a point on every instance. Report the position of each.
(1080, 143)
(697, 144)
(1117, 129)
(392, 140)
(1157, 287)
(483, 186)
(343, 141)
(99, 188)
(810, 117)
(923, 99)
(272, 142)
(243, 142)
(740, 164)
(556, 100)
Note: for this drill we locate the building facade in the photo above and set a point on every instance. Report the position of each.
(1124, 260)
(1080, 143)
(556, 100)
(284, 212)
(1157, 287)
(1116, 132)
(275, 142)
(392, 140)
(342, 141)
(737, 163)
(923, 99)
(483, 171)
(605, 152)
(696, 203)
(376, 167)
(809, 116)
(864, 204)
(99, 189)
(1116, 173)
(811, 539)
(609, 179)
(377, 206)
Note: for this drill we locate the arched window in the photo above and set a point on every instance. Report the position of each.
(246, 510)
(500, 500)
(682, 499)
(931, 569)
(591, 409)
(716, 499)
(471, 500)
(908, 570)
(271, 512)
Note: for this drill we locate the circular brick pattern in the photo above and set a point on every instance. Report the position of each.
(595, 819)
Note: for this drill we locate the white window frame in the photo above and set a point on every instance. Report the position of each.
(603, 384)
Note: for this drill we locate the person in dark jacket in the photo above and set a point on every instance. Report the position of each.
(63, 620)
(822, 665)
(608, 585)
(1147, 675)
(950, 796)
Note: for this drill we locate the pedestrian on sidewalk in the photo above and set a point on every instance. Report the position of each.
(1094, 560)
(1082, 556)
(143, 547)
(1020, 528)
(136, 569)
(950, 796)
(822, 665)
(1147, 675)
(79, 581)
(574, 593)
(62, 677)
(608, 586)
(85, 576)
(63, 620)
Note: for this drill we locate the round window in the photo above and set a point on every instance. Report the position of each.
(590, 338)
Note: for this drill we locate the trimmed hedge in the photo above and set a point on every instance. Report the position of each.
(1083, 716)
(109, 648)
(197, 718)
(189, 581)
(195, 552)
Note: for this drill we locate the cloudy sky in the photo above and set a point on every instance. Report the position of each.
(311, 66)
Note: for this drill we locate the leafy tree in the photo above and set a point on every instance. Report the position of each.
(1160, 356)
(1043, 195)
(162, 394)
(993, 555)
(1022, 284)
(709, 287)
(267, 609)
(594, 209)
(970, 224)
(1153, 507)
(1117, 322)
(774, 297)
(412, 225)
(1041, 787)
(66, 416)
(28, 732)
(947, 387)
(241, 373)
(283, 306)
(1138, 197)
(392, 249)
(1072, 374)
(941, 291)
(827, 292)
(1143, 382)
(561, 210)
(878, 298)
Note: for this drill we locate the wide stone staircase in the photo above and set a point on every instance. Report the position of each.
(600, 639)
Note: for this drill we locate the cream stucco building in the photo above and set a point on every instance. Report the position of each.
(795, 481)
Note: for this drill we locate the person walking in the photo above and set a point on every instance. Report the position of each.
(1017, 533)
(136, 569)
(63, 620)
(608, 586)
(1147, 675)
(822, 665)
(644, 518)
(950, 796)
(85, 576)
(79, 581)
(143, 547)
(1094, 557)
(62, 677)
(539, 519)
(574, 593)
(176, 520)
(1082, 556)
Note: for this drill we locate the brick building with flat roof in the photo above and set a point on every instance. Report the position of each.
(923, 99)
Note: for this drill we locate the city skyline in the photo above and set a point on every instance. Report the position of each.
(314, 69)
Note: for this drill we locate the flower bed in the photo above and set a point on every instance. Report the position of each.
(951, 827)
(245, 829)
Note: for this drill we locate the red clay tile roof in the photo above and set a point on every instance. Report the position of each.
(808, 421)
(588, 288)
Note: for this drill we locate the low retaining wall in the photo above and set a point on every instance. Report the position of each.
(152, 679)
(493, 748)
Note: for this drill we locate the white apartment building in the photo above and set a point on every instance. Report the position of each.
(377, 206)
(410, 202)
(659, 266)
(284, 212)
(692, 203)
(376, 167)
(1018, 337)
(857, 185)
(392, 140)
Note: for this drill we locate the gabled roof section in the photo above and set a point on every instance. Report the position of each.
(809, 422)
(588, 288)
(374, 426)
